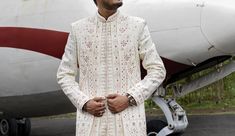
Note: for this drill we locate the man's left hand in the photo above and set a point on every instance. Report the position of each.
(117, 103)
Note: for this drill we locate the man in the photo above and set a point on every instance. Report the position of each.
(108, 48)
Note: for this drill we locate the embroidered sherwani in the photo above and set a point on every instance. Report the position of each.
(108, 54)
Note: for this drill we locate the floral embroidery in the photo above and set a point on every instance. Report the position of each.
(108, 54)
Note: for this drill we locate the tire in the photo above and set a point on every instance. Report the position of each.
(4, 127)
(13, 127)
(25, 128)
(155, 126)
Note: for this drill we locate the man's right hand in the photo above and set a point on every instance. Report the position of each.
(95, 106)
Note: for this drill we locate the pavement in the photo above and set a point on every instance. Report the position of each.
(199, 125)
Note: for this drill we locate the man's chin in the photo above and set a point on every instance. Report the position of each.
(117, 5)
(114, 6)
(118, 1)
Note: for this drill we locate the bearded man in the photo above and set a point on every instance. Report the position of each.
(108, 48)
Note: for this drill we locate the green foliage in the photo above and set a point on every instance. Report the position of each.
(149, 104)
(220, 94)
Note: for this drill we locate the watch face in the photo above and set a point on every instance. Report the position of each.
(131, 100)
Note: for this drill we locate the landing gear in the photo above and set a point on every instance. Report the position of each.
(155, 126)
(175, 116)
(15, 127)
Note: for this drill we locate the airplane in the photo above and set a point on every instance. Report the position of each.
(190, 36)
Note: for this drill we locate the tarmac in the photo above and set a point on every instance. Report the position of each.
(199, 125)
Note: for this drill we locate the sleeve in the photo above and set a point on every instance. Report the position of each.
(67, 73)
(152, 62)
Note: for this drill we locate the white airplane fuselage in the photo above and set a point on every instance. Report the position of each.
(33, 35)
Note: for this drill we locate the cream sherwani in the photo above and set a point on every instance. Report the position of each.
(108, 54)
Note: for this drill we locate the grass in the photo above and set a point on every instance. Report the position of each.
(208, 100)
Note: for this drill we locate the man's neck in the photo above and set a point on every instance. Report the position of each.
(106, 13)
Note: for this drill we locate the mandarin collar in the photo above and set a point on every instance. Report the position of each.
(110, 18)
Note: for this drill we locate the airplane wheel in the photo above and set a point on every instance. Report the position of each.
(25, 128)
(155, 126)
(13, 127)
(4, 127)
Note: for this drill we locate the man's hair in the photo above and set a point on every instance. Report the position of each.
(95, 2)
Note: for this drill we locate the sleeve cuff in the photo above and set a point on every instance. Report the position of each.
(138, 97)
(82, 103)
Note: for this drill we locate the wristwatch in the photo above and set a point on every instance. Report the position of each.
(131, 100)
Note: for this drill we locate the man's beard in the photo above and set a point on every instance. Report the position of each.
(109, 6)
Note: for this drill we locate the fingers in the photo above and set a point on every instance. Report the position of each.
(93, 105)
(98, 99)
(112, 108)
(99, 104)
(100, 109)
(99, 114)
(110, 101)
(112, 96)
